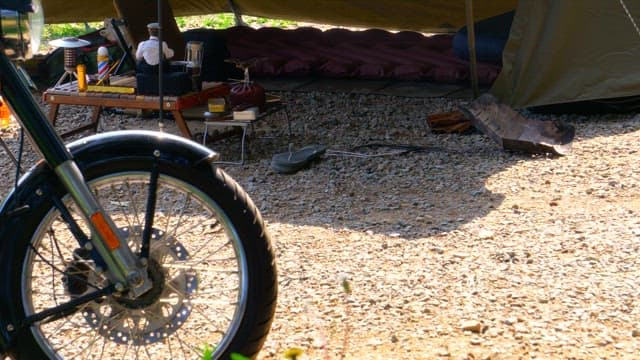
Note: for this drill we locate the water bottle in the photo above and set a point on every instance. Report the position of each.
(81, 70)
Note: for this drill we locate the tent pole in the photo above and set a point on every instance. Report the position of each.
(160, 69)
(236, 13)
(471, 41)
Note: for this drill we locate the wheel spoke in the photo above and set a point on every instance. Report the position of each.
(206, 246)
(95, 338)
(179, 219)
(194, 262)
(201, 268)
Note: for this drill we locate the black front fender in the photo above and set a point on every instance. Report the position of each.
(141, 143)
(134, 144)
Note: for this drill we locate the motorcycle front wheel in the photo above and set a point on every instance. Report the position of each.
(210, 261)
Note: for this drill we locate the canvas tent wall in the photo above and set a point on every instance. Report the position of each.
(558, 50)
(570, 50)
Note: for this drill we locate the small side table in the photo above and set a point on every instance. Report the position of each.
(274, 104)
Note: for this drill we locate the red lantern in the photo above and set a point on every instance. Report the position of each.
(246, 93)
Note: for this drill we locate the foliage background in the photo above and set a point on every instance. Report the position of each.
(218, 21)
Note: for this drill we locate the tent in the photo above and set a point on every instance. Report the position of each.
(565, 51)
(558, 50)
(418, 15)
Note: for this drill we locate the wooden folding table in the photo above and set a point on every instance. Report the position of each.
(68, 94)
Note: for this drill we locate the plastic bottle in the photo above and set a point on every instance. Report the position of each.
(81, 70)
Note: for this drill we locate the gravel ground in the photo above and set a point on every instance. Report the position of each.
(460, 250)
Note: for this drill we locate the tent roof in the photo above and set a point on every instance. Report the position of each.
(417, 15)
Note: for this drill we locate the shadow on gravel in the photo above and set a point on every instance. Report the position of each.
(596, 125)
(415, 194)
(411, 195)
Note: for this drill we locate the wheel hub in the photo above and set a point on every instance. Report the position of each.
(158, 313)
(156, 275)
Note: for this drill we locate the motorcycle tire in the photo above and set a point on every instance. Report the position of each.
(211, 263)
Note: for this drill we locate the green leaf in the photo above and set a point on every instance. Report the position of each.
(236, 356)
(207, 352)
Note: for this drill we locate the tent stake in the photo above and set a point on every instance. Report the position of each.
(471, 41)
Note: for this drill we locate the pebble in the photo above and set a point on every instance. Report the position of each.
(472, 325)
(443, 353)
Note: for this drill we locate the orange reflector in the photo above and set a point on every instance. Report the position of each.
(105, 231)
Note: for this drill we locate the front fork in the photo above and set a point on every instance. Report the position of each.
(125, 270)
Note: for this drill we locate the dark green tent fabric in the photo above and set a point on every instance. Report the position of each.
(558, 50)
(565, 50)
(417, 15)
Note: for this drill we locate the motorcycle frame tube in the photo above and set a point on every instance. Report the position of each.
(41, 133)
(121, 262)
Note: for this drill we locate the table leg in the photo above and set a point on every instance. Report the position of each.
(182, 124)
(95, 118)
(93, 125)
(286, 115)
(244, 134)
(53, 113)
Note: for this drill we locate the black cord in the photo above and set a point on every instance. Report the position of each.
(404, 147)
